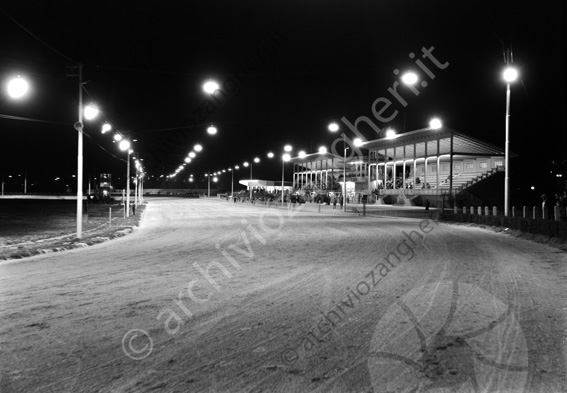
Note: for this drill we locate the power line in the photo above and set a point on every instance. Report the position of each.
(37, 38)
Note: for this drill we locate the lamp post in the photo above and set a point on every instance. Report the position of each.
(79, 128)
(334, 127)
(236, 167)
(510, 75)
(16, 88)
(231, 183)
(256, 160)
(125, 145)
(209, 187)
(285, 158)
(90, 113)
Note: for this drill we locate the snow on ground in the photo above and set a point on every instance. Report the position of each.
(207, 295)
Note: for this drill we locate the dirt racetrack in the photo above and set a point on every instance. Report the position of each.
(213, 296)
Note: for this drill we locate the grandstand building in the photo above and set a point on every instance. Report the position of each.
(404, 169)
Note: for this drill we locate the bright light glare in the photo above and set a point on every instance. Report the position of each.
(187, 160)
(236, 167)
(17, 87)
(124, 145)
(409, 78)
(286, 157)
(256, 160)
(302, 154)
(270, 155)
(287, 148)
(333, 127)
(510, 74)
(198, 148)
(106, 127)
(210, 87)
(322, 150)
(246, 164)
(390, 134)
(192, 154)
(117, 137)
(215, 179)
(435, 124)
(357, 142)
(91, 112)
(212, 130)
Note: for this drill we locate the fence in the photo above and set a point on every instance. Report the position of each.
(557, 213)
(551, 223)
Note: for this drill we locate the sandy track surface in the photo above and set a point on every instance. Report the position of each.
(214, 296)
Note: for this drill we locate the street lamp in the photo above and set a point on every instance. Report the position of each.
(125, 145)
(106, 127)
(285, 158)
(256, 160)
(17, 87)
(91, 112)
(510, 75)
(210, 86)
(208, 175)
(409, 78)
(79, 127)
(212, 130)
(334, 127)
(435, 124)
(390, 134)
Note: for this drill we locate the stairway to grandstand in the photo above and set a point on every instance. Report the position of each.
(462, 181)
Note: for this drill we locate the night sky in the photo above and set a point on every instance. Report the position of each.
(287, 70)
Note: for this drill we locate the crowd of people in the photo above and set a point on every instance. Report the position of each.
(557, 199)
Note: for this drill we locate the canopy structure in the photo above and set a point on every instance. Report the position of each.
(424, 161)
(429, 141)
(268, 185)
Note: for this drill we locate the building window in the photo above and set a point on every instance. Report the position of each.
(483, 164)
(445, 167)
(469, 166)
(498, 163)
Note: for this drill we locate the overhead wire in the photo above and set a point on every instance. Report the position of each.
(36, 37)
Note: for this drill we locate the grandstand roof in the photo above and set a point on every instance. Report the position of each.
(463, 144)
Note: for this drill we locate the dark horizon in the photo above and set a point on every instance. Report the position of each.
(286, 72)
